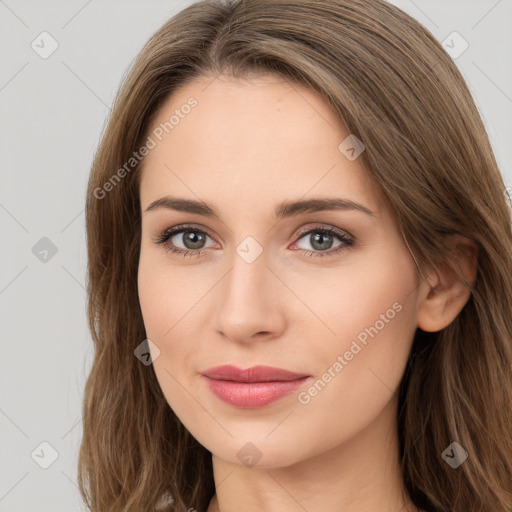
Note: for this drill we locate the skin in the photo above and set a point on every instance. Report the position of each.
(246, 146)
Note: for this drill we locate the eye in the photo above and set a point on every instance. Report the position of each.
(319, 237)
(191, 237)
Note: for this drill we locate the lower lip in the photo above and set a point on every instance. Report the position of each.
(252, 394)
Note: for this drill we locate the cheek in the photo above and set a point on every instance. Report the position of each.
(365, 292)
(167, 300)
(166, 295)
(360, 365)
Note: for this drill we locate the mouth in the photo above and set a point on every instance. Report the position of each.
(253, 374)
(253, 387)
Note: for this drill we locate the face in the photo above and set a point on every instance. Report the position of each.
(330, 294)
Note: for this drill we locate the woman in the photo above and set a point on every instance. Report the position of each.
(299, 272)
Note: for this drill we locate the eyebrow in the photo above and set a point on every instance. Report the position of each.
(282, 210)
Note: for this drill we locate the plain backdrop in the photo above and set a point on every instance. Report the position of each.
(53, 110)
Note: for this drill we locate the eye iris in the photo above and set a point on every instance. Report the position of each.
(320, 238)
(195, 239)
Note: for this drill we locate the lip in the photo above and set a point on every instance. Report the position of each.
(253, 387)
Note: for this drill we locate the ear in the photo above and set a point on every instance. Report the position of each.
(444, 296)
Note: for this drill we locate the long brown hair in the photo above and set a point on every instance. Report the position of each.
(427, 150)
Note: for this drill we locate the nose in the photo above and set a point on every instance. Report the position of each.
(251, 302)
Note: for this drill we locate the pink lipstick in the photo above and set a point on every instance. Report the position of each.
(253, 387)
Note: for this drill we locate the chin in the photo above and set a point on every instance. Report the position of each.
(258, 452)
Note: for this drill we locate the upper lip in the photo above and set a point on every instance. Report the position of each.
(253, 374)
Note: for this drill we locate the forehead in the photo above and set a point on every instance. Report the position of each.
(258, 137)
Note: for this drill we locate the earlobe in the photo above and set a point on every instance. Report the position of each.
(445, 294)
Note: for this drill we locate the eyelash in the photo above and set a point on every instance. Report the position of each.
(348, 241)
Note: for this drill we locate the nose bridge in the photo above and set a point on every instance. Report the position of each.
(248, 302)
(247, 282)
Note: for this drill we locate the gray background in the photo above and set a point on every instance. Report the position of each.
(53, 111)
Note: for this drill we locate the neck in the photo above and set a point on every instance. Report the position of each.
(361, 474)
